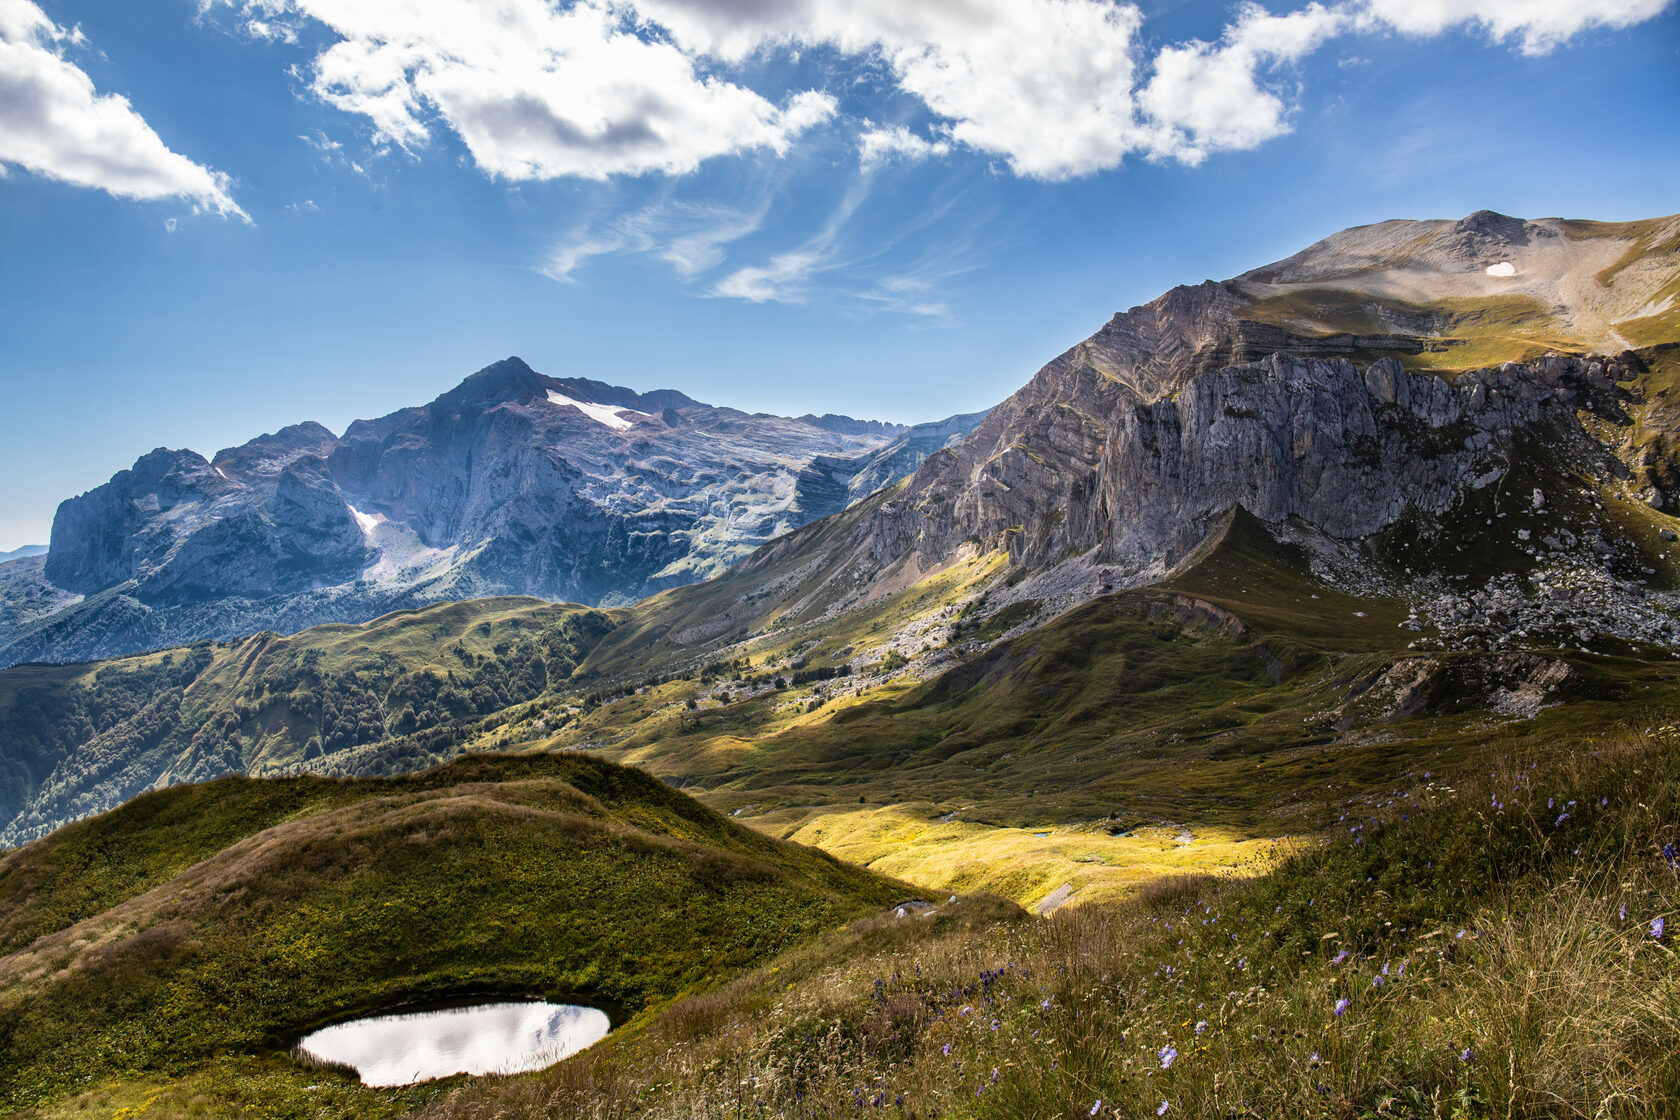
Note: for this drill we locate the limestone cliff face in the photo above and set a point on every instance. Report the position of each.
(1081, 462)
(183, 529)
(1370, 375)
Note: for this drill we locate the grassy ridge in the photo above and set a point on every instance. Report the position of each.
(387, 695)
(1479, 950)
(532, 874)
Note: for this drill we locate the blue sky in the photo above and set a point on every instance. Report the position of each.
(329, 209)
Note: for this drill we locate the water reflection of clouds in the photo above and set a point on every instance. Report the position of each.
(489, 1038)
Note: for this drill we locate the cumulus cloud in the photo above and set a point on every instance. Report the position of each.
(536, 90)
(1063, 88)
(1054, 89)
(1045, 85)
(55, 124)
(1209, 97)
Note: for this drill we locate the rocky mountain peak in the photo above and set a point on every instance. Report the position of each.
(273, 452)
(507, 381)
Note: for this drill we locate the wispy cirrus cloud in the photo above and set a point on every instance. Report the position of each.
(56, 124)
(688, 236)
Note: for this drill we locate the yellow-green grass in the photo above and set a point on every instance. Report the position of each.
(1461, 334)
(1493, 942)
(1039, 868)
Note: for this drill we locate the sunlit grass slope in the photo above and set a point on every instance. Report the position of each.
(191, 935)
(1499, 947)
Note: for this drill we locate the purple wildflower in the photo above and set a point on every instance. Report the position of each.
(1467, 1056)
(1168, 1056)
(1096, 1107)
(1657, 929)
(946, 1050)
(1201, 1026)
(1341, 1007)
(1671, 853)
(1162, 1111)
(1561, 818)
(1621, 913)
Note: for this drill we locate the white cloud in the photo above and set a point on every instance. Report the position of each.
(882, 145)
(1063, 88)
(782, 280)
(536, 90)
(1044, 84)
(1205, 98)
(55, 124)
(786, 277)
(687, 236)
(542, 89)
(1538, 26)
(566, 258)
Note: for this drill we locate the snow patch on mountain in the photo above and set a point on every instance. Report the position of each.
(368, 521)
(610, 415)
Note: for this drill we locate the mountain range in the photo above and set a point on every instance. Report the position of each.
(1459, 435)
(511, 483)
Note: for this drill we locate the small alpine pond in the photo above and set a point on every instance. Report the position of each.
(501, 1037)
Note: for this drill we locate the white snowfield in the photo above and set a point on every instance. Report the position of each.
(1503, 268)
(368, 521)
(610, 415)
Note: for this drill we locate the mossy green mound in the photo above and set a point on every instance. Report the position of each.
(202, 927)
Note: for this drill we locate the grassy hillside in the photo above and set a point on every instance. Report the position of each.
(1171, 728)
(387, 695)
(1499, 947)
(187, 938)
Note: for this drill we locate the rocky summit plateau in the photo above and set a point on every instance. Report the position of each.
(512, 483)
